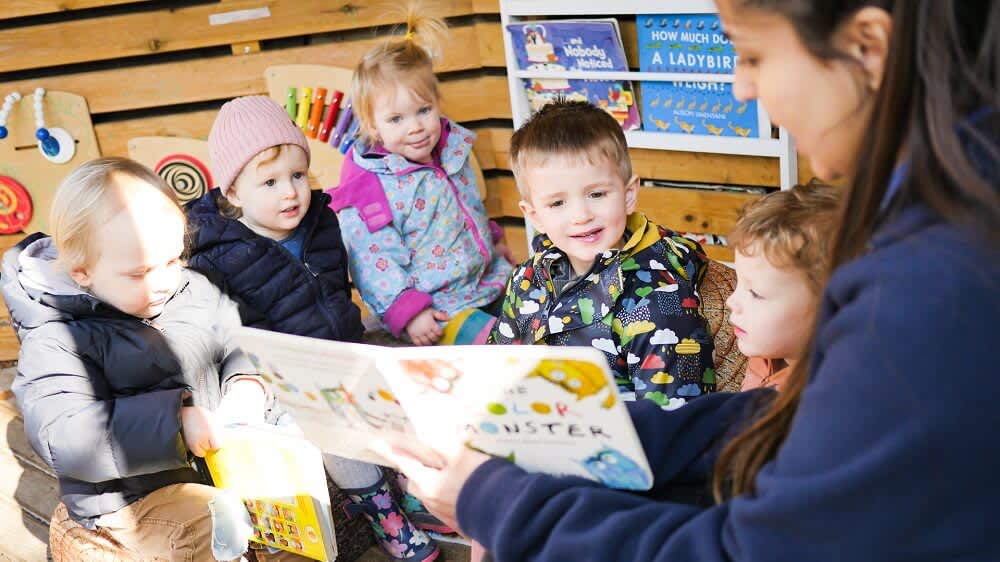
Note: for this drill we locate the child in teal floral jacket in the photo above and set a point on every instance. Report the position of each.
(603, 275)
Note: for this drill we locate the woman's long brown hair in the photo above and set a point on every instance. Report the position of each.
(938, 110)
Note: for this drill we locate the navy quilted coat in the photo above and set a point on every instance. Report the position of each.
(276, 290)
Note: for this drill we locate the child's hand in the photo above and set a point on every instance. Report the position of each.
(198, 429)
(504, 250)
(244, 402)
(423, 329)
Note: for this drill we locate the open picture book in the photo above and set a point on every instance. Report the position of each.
(547, 409)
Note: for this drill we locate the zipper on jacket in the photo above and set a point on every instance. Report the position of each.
(313, 225)
(201, 387)
(576, 282)
(313, 280)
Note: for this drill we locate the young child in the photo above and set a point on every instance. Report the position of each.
(125, 355)
(603, 275)
(422, 250)
(273, 241)
(277, 248)
(782, 256)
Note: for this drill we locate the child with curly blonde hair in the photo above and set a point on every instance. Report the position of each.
(782, 255)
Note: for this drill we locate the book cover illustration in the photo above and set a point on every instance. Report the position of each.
(697, 108)
(592, 45)
(279, 476)
(548, 409)
(551, 412)
(684, 43)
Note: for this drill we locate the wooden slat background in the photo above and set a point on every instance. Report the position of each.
(18, 8)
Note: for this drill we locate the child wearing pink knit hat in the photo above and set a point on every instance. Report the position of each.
(274, 241)
(277, 248)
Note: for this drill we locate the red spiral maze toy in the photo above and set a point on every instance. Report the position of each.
(15, 206)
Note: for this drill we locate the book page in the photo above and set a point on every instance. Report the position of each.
(331, 389)
(547, 409)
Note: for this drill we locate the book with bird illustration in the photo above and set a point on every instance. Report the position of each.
(547, 409)
(698, 108)
(691, 43)
(684, 43)
(575, 45)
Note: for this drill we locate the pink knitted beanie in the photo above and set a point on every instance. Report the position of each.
(244, 128)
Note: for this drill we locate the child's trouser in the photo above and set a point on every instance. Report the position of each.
(349, 473)
(173, 523)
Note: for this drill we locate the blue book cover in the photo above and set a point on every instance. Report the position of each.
(684, 43)
(593, 45)
(697, 108)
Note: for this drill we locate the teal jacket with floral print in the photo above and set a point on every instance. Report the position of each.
(639, 305)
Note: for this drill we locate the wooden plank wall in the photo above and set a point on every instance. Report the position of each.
(159, 67)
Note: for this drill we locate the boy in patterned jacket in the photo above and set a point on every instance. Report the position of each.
(603, 275)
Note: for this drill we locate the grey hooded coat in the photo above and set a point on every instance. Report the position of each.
(100, 390)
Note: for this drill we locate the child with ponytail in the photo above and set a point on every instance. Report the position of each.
(423, 254)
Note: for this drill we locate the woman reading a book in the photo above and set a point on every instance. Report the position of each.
(876, 449)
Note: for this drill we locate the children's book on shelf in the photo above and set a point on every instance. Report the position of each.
(584, 45)
(280, 478)
(684, 43)
(697, 108)
(547, 409)
(691, 43)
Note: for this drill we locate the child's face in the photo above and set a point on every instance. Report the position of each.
(824, 104)
(140, 246)
(406, 124)
(581, 206)
(772, 309)
(274, 196)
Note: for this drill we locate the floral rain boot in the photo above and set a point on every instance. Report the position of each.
(418, 514)
(396, 535)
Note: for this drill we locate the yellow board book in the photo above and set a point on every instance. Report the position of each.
(281, 480)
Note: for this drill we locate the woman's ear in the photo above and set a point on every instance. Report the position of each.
(866, 37)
